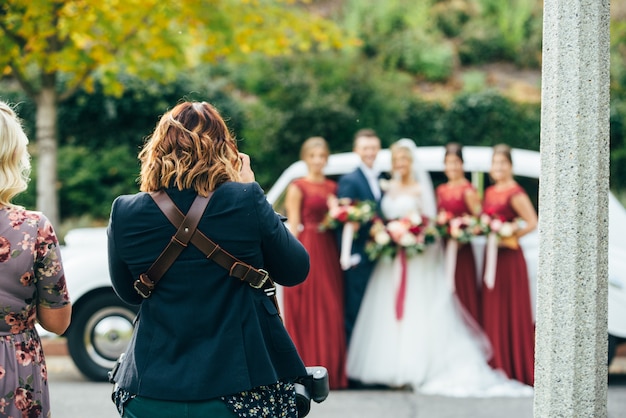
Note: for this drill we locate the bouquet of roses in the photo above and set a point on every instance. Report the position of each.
(505, 231)
(346, 210)
(461, 228)
(411, 233)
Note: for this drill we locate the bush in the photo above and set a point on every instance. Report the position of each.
(480, 45)
(452, 15)
(509, 30)
(96, 120)
(298, 97)
(422, 122)
(488, 118)
(100, 137)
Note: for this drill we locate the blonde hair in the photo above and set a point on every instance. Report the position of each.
(191, 148)
(14, 157)
(401, 148)
(313, 142)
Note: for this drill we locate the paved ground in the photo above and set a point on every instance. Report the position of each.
(72, 396)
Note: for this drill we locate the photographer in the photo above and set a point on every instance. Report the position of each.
(205, 343)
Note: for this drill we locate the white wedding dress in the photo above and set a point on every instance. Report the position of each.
(431, 348)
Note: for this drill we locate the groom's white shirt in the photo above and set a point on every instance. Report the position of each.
(372, 179)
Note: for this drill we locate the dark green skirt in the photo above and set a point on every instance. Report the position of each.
(140, 407)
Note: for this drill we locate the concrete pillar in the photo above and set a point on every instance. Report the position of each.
(571, 341)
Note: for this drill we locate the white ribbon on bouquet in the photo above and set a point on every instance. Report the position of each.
(346, 258)
(452, 248)
(491, 260)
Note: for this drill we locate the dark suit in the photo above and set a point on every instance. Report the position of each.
(204, 334)
(354, 185)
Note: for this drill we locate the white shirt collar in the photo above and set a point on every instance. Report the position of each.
(369, 172)
(372, 179)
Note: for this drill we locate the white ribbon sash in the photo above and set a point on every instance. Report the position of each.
(452, 248)
(491, 260)
(345, 258)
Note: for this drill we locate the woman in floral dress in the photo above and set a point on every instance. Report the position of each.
(33, 283)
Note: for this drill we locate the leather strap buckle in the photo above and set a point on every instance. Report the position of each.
(261, 282)
(143, 285)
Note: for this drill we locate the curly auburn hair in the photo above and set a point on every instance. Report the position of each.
(190, 148)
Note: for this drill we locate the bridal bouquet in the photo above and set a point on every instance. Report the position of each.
(505, 231)
(411, 233)
(461, 228)
(346, 210)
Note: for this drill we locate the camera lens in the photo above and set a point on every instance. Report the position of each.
(303, 400)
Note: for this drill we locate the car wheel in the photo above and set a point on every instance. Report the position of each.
(100, 331)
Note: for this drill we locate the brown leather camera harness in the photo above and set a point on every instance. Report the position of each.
(187, 232)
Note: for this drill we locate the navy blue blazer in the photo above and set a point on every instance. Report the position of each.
(204, 334)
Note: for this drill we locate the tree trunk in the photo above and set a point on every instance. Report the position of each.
(46, 124)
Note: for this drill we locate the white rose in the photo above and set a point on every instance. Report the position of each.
(407, 240)
(415, 219)
(396, 227)
(506, 230)
(382, 238)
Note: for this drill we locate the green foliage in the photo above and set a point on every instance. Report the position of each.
(399, 34)
(422, 122)
(509, 30)
(480, 44)
(90, 181)
(488, 118)
(273, 104)
(96, 120)
(326, 95)
(452, 15)
(100, 137)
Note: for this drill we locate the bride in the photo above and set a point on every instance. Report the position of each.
(419, 337)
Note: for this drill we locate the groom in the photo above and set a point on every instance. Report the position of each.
(361, 184)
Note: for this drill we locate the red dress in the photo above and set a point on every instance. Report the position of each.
(506, 309)
(452, 199)
(313, 310)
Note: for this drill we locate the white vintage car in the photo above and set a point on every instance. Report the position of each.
(102, 324)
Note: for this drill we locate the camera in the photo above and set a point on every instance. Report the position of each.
(312, 386)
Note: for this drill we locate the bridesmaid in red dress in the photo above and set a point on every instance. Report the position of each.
(459, 197)
(313, 310)
(506, 305)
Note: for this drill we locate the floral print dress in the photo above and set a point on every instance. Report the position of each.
(31, 275)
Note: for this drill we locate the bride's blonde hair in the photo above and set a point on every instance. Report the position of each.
(402, 148)
(14, 157)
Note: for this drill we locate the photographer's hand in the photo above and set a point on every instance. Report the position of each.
(246, 175)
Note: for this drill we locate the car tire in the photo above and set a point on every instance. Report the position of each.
(101, 328)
